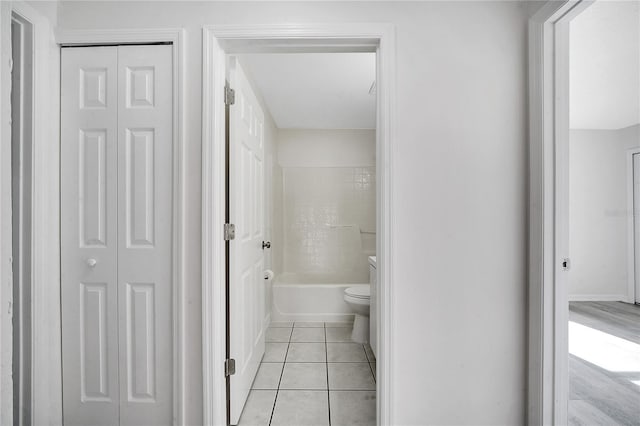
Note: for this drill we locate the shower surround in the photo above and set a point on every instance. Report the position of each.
(325, 196)
(329, 221)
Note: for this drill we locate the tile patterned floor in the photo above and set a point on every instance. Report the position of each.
(312, 374)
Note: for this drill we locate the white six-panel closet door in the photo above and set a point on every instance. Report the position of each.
(116, 213)
(89, 117)
(144, 234)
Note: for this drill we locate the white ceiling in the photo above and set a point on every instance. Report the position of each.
(315, 90)
(605, 66)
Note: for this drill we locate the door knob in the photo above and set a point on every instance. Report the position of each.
(266, 244)
(92, 262)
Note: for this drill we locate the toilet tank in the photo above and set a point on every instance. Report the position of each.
(373, 309)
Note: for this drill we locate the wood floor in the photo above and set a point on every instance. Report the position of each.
(606, 340)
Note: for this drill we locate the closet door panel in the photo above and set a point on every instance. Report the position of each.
(145, 234)
(89, 236)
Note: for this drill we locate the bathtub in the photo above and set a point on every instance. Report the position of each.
(311, 297)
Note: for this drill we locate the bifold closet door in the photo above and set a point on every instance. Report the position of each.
(116, 214)
(144, 234)
(88, 214)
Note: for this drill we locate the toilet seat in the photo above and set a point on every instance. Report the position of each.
(358, 292)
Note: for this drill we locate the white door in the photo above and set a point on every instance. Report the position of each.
(116, 212)
(247, 212)
(145, 134)
(636, 221)
(89, 121)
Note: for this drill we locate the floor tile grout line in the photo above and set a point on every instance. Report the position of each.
(367, 360)
(326, 358)
(284, 363)
(319, 390)
(317, 362)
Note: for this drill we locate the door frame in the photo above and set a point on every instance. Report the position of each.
(548, 316)
(21, 304)
(633, 285)
(45, 363)
(176, 37)
(218, 41)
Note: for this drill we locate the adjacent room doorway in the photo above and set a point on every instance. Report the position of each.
(554, 377)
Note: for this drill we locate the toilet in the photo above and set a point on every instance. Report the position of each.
(357, 297)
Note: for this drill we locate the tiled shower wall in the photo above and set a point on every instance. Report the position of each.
(328, 202)
(329, 220)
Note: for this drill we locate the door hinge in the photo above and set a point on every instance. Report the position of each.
(229, 367)
(229, 96)
(229, 231)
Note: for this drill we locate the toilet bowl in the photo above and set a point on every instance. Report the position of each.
(357, 297)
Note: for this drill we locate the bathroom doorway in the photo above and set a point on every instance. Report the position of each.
(302, 200)
(218, 44)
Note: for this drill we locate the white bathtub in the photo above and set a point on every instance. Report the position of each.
(310, 297)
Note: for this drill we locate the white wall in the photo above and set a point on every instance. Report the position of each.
(459, 183)
(48, 9)
(328, 202)
(604, 57)
(277, 236)
(605, 108)
(326, 148)
(598, 212)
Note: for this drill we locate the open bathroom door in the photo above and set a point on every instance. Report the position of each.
(247, 212)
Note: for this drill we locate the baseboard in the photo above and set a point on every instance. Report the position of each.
(280, 317)
(598, 297)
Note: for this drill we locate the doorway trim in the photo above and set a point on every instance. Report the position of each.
(218, 41)
(22, 108)
(6, 291)
(175, 36)
(44, 218)
(631, 246)
(548, 351)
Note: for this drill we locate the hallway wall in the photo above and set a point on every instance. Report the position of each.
(459, 167)
(598, 212)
